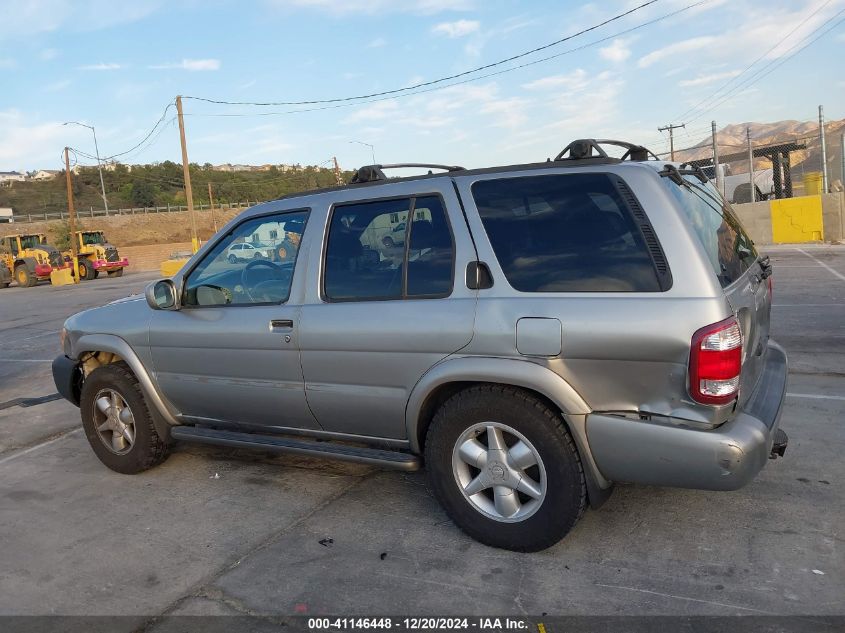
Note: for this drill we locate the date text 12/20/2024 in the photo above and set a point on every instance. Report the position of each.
(423, 624)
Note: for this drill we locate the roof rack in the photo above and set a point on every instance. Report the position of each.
(582, 148)
(374, 173)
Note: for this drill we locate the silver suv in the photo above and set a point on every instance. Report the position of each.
(539, 332)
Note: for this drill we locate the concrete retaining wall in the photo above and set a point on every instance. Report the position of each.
(757, 219)
(149, 257)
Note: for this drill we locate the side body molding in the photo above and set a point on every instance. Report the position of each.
(518, 373)
(162, 412)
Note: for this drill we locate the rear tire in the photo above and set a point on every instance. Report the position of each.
(525, 496)
(116, 273)
(125, 442)
(24, 278)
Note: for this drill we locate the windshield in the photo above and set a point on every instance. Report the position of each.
(93, 237)
(30, 241)
(729, 249)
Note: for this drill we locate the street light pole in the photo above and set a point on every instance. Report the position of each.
(372, 149)
(99, 165)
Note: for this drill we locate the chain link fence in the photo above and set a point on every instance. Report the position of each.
(754, 162)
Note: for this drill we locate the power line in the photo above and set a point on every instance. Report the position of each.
(143, 140)
(772, 65)
(752, 64)
(433, 81)
(461, 82)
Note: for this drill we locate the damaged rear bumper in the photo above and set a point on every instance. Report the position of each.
(723, 458)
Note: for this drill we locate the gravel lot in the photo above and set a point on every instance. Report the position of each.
(216, 531)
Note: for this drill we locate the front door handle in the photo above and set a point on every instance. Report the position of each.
(280, 325)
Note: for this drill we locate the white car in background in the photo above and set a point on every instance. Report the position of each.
(246, 251)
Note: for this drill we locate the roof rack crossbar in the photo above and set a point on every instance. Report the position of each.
(373, 173)
(583, 148)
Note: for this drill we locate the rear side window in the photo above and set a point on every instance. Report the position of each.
(565, 233)
(729, 249)
(389, 249)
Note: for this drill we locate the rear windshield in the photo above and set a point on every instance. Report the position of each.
(564, 233)
(729, 249)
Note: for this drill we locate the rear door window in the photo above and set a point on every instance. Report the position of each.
(565, 233)
(729, 249)
(376, 251)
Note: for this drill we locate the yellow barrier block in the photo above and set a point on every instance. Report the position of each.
(812, 183)
(797, 220)
(172, 266)
(61, 277)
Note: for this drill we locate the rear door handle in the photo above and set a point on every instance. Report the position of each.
(280, 325)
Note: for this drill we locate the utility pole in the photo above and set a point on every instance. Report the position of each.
(842, 158)
(750, 164)
(71, 219)
(671, 129)
(189, 192)
(337, 177)
(824, 149)
(716, 158)
(211, 206)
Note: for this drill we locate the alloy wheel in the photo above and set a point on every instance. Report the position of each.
(114, 421)
(499, 472)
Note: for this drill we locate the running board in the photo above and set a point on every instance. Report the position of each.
(278, 444)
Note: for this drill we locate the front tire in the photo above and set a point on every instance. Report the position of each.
(505, 468)
(85, 271)
(117, 421)
(116, 273)
(24, 278)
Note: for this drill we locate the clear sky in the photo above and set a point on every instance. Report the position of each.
(116, 64)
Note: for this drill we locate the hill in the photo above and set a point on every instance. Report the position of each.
(159, 185)
(732, 139)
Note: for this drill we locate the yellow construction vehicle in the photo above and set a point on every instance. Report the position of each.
(97, 255)
(29, 258)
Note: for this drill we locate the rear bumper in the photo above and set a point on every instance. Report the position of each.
(68, 378)
(724, 458)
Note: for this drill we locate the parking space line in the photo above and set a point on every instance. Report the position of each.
(36, 336)
(822, 264)
(669, 595)
(814, 396)
(26, 451)
(807, 305)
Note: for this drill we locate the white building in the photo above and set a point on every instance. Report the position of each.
(8, 177)
(44, 174)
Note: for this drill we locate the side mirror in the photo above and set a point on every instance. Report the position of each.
(162, 295)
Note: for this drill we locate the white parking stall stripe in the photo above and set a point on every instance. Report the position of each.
(822, 264)
(814, 396)
(26, 451)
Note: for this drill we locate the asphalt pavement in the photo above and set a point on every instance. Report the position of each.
(220, 531)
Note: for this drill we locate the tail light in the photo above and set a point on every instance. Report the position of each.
(715, 362)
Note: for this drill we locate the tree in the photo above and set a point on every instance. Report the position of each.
(143, 194)
(60, 235)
